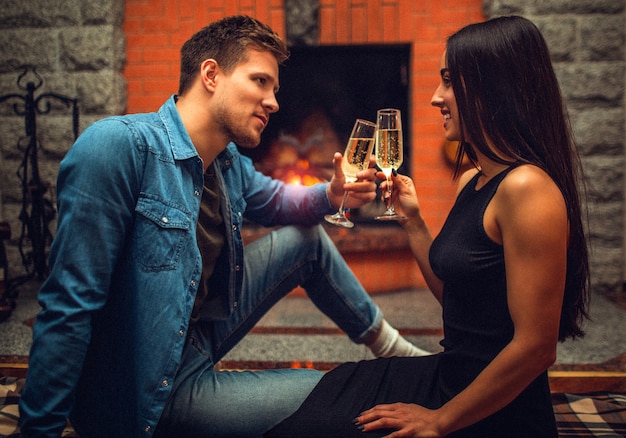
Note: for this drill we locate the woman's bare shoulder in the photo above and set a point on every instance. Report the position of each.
(527, 177)
(529, 186)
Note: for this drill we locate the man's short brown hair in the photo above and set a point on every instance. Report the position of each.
(227, 41)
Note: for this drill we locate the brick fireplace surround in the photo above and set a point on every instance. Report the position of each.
(155, 30)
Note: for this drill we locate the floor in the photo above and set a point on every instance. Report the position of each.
(294, 333)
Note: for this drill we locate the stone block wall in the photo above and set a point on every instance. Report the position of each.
(77, 48)
(586, 39)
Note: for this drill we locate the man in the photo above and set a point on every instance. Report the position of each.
(149, 287)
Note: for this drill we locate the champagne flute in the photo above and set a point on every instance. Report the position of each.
(356, 157)
(389, 153)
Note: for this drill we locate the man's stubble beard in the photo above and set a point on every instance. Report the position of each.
(238, 133)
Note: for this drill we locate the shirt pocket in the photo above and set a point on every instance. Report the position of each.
(161, 230)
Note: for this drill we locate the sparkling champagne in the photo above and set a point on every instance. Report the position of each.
(389, 149)
(356, 157)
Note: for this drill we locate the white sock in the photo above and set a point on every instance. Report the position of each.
(390, 343)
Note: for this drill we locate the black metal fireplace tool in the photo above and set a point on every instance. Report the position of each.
(37, 209)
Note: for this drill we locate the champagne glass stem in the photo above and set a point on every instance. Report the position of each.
(343, 203)
(340, 218)
(388, 201)
(390, 213)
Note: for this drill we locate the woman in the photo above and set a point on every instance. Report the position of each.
(509, 266)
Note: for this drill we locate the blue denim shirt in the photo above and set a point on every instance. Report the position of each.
(125, 267)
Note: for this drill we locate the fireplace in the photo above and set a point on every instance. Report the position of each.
(323, 89)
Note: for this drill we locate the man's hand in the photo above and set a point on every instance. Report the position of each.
(362, 192)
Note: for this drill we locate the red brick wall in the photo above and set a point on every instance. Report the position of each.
(155, 30)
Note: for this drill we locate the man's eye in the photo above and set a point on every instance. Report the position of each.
(261, 81)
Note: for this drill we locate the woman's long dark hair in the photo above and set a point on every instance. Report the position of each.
(508, 96)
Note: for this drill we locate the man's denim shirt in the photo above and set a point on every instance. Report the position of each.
(125, 267)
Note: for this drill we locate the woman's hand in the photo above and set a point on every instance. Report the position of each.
(404, 196)
(407, 420)
(362, 192)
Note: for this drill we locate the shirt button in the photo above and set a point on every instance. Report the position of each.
(234, 227)
(235, 304)
(193, 283)
(165, 219)
(165, 384)
(181, 333)
(147, 428)
(237, 268)
(196, 192)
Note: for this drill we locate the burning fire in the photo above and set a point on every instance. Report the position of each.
(298, 364)
(300, 174)
(305, 157)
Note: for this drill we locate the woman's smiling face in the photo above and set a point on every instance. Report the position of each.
(445, 100)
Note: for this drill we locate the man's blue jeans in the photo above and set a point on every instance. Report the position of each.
(211, 403)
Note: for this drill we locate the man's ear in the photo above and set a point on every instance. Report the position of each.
(208, 73)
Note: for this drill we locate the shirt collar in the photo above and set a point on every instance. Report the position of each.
(182, 147)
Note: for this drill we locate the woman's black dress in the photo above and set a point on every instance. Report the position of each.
(477, 325)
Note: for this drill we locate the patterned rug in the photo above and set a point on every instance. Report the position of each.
(577, 415)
